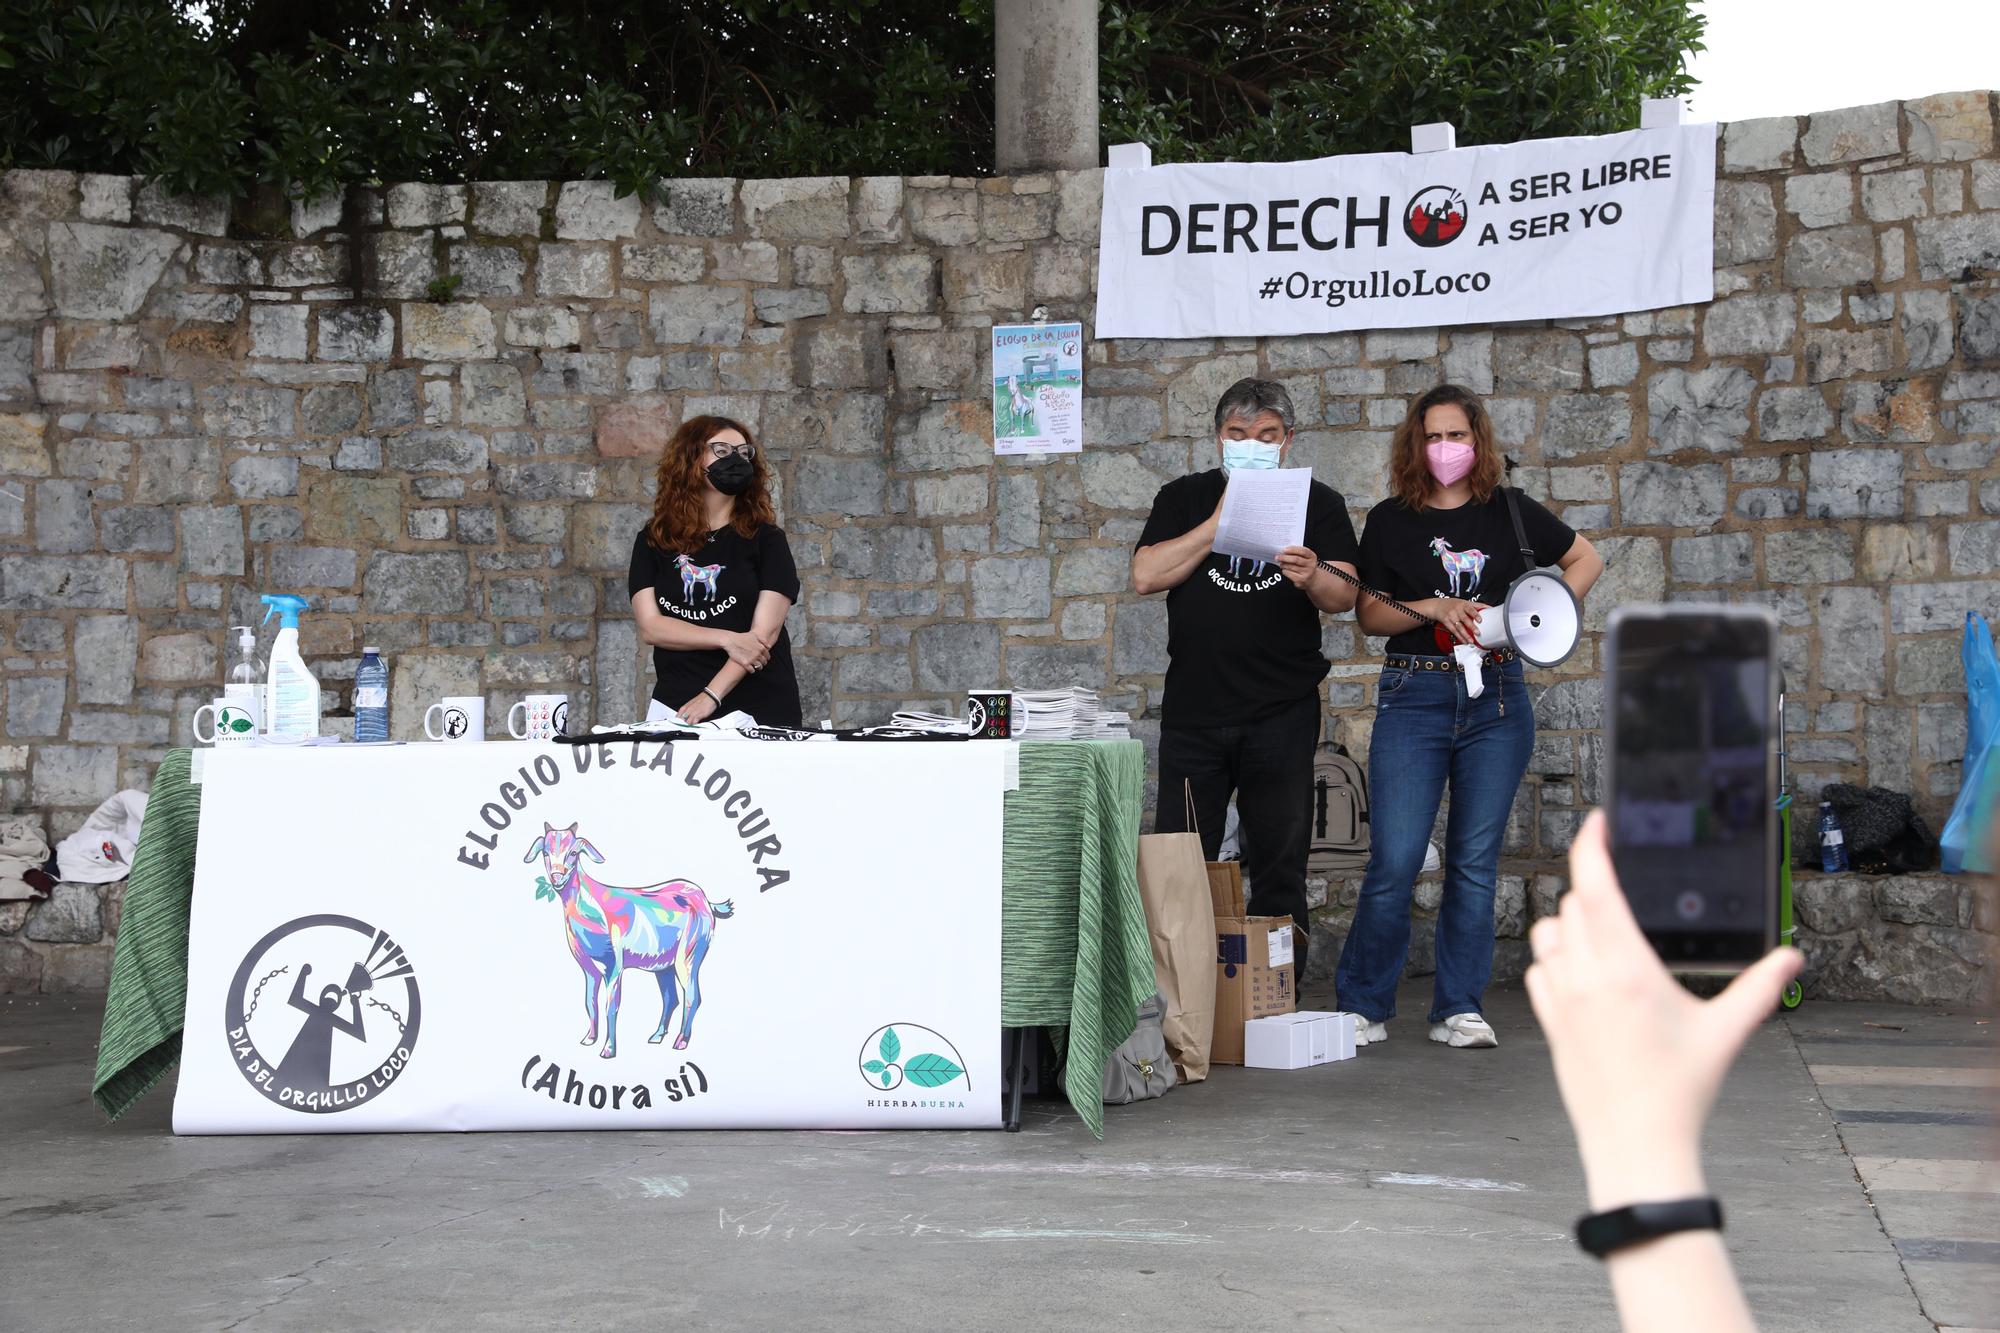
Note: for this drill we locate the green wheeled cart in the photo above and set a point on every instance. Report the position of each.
(1787, 927)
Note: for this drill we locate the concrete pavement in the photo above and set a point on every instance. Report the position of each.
(1413, 1188)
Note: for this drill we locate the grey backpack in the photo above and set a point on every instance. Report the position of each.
(1140, 1067)
(1336, 813)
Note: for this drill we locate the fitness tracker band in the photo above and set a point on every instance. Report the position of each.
(1605, 1233)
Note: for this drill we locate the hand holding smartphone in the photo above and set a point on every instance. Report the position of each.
(1691, 719)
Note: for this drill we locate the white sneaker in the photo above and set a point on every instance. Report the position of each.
(1366, 1032)
(1465, 1030)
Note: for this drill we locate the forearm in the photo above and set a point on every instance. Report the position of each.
(1330, 593)
(663, 631)
(669, 633)
(1580, 566)
(1678, 1282)
(1583, 574)
(769, 619)
(1378, 617)
(1167, 564)
(725, 680)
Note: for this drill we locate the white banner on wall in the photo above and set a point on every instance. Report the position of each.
(622, 936)
(1549, 229)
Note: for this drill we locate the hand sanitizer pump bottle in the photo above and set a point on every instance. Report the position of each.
(245, 687)
(291, 693)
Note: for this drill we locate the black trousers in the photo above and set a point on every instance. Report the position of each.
(1268, 766)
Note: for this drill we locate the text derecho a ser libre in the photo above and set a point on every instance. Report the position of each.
(716, 784)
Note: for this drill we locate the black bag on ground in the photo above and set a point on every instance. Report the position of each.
(1336, 813)
(1885, 834)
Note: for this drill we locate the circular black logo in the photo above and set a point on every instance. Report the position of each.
(456, 723)
(323, 1013)
(1435, 216)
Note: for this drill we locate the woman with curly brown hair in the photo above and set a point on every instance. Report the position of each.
(712, 578)
(1444, 544)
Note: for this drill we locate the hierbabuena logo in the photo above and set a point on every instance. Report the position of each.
(323, 1013)
(1435, 217)
(905, 1052)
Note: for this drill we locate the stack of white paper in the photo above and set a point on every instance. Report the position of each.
(1063, 715)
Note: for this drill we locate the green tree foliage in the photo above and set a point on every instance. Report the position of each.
(217, 96)
(1272, 81)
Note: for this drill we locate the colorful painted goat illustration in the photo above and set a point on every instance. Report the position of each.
(662, 928)
(1460, 567)
(692, 574)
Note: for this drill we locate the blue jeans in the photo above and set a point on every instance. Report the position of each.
(1427, 732)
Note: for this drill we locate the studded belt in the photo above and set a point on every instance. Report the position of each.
(1399, 662)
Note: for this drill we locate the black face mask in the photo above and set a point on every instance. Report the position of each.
(732, 475)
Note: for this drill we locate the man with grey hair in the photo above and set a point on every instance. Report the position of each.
(1241, 710)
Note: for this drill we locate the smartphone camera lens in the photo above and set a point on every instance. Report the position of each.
(1690, 905)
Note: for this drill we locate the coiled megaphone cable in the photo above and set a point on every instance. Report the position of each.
(1381, 597)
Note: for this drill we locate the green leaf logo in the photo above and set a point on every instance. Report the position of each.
(930, 1071)
(239, 725)
(891, 1046)
(874, 1066)
(542, 889)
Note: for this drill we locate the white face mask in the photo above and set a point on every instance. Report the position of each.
(1248, 456)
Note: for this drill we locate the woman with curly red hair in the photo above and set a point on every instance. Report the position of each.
(712, 578)
(1444, 544)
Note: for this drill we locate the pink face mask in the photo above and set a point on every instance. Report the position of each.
(1449, 460)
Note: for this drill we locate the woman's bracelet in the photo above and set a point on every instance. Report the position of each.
(712, 695)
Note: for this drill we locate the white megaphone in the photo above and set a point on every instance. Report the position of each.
(1540, 620)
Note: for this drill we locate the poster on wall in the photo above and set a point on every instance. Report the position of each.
(1037, 389)
(636, 935)
(1548, 229)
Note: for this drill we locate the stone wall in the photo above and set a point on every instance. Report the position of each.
(198, 406)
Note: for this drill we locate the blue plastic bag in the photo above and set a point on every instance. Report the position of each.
(1967, 834)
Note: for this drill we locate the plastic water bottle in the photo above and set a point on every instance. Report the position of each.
(1832, 840)
(371, 697)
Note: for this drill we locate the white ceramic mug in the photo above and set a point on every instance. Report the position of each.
(543, 717)
(231, 720)
(460, 718)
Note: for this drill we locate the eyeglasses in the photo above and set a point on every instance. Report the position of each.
(720, 449)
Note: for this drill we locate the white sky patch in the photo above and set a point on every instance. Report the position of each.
(1792, 57)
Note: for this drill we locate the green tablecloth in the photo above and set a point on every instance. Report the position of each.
(1073, 946)
(1074, 951)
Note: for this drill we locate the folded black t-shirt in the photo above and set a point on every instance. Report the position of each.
(717, 588)
(1242, 641)
(1469, 552)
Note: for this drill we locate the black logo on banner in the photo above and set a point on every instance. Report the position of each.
(1435, 216)
(323, 1013)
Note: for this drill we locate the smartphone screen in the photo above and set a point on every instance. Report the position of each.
(1693, 775)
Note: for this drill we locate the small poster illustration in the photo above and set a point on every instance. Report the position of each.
(1038, 389)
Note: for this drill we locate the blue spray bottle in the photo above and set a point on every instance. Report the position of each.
(291, 693)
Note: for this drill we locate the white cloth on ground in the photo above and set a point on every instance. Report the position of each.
(22, 848)
(101, 851)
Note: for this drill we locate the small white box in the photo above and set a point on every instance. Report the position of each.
(1297, 1041)
(1346, 1027)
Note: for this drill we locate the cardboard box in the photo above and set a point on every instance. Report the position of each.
(1254, 969)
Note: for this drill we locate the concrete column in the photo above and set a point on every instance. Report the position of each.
(1045, 84)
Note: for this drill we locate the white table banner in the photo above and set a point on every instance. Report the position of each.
(1549, 229)
(609, 936)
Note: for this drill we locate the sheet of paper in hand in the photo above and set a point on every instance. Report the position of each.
(1263, 512)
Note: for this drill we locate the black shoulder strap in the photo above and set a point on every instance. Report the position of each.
(1520, 532)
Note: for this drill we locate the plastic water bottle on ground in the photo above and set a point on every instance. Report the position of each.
(1832, 840)
(371, 697)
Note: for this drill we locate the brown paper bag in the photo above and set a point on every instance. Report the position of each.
(1173, 885)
